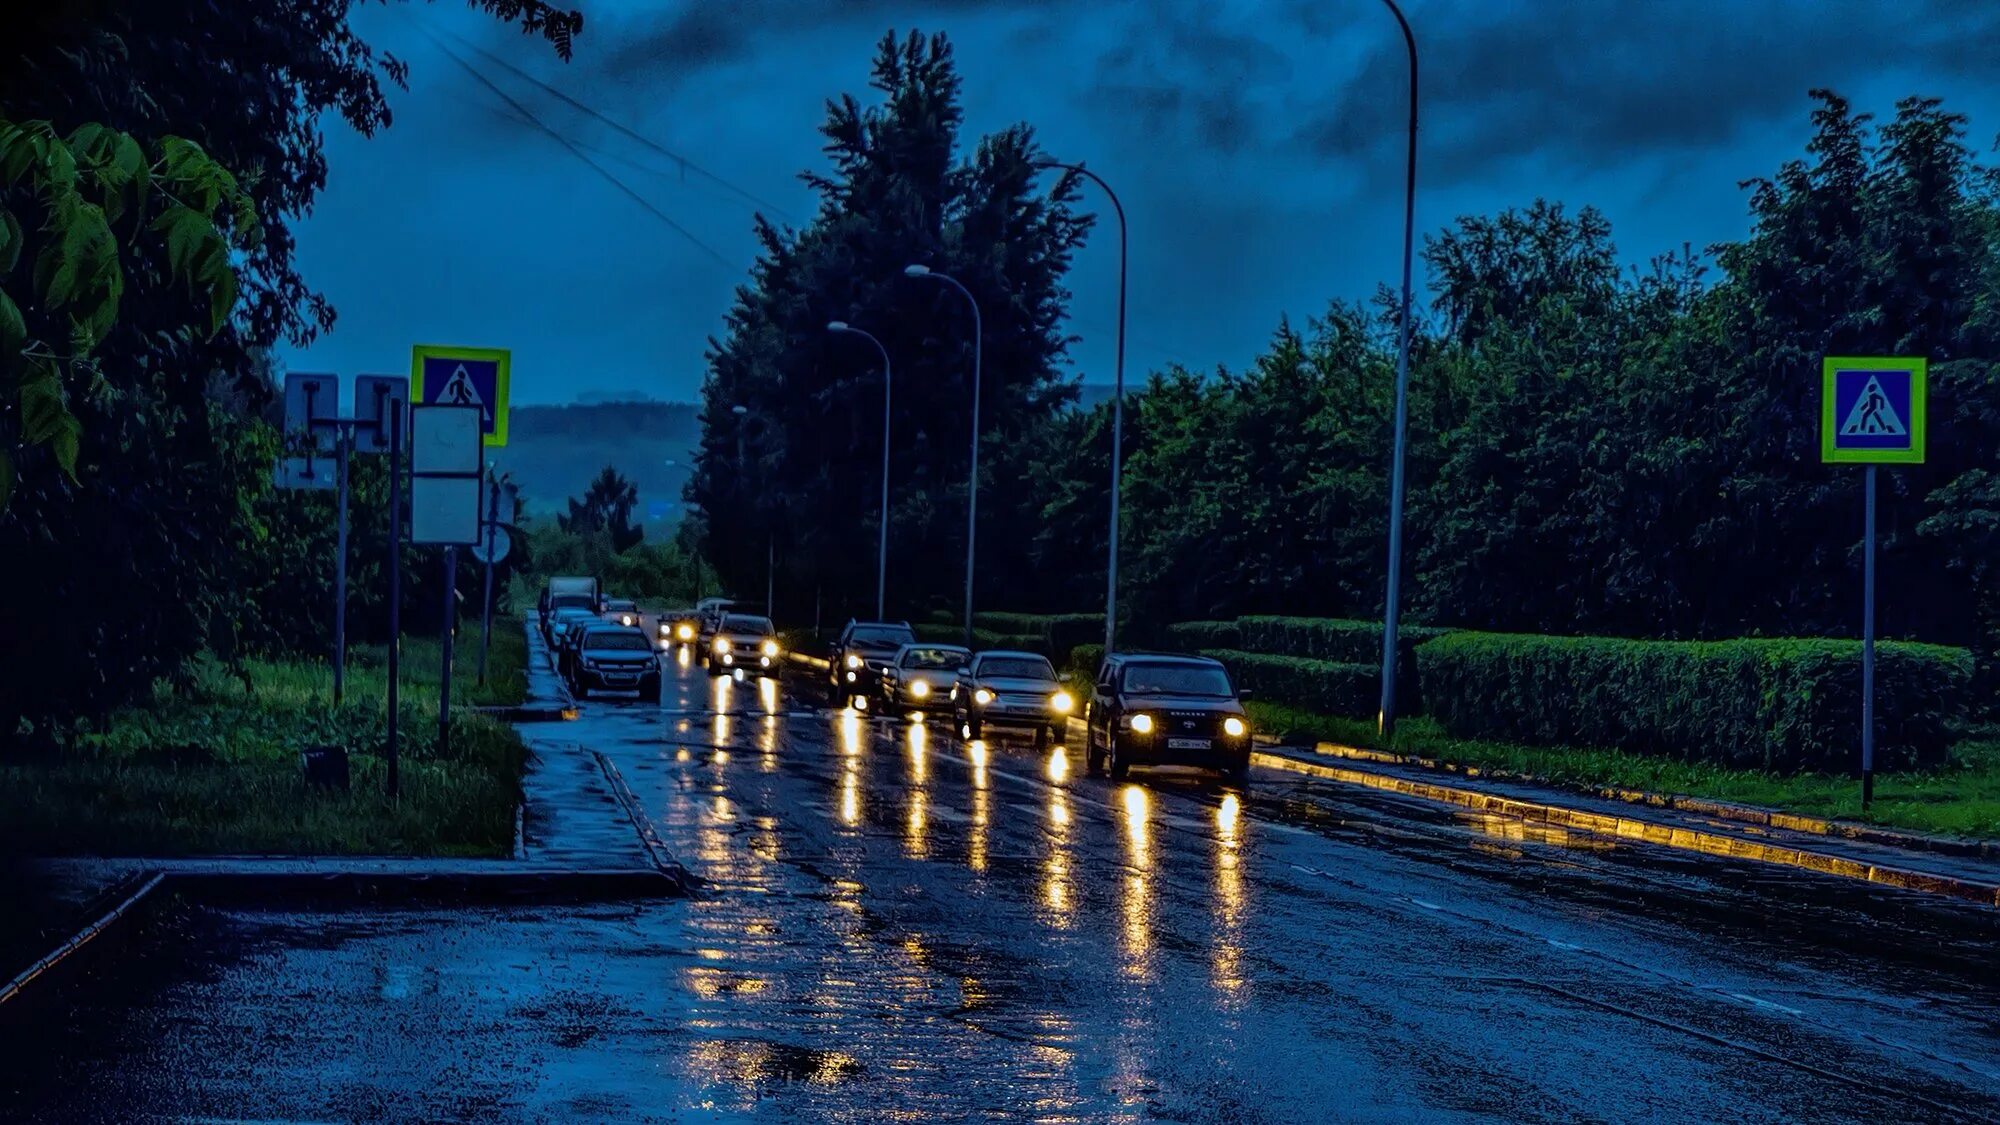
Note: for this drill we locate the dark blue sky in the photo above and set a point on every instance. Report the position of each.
(1257, 147)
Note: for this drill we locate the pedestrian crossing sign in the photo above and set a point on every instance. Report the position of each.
(448, 376)
(1872, 410)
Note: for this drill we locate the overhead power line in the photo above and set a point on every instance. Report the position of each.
(600, 169)
(743, 193)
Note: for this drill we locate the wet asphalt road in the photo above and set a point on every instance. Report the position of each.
(901, 927)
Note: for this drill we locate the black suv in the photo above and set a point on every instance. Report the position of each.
(614, 658)
(1166, 711)
(854, 669)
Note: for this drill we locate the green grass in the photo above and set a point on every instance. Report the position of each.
(1960, 799)
(214, 768)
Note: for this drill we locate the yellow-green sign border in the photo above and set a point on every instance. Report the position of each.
(1829, 426)
(502, 361)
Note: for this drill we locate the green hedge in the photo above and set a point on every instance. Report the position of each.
(1083, 662)
(982, 639)
(1327, 686)
(1327, 638)
(1194, 636)
(1775, 705)
(1059, 632)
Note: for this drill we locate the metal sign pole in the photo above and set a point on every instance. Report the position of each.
(344, 441)
(1868, 646)
(450, 619)
(395, 585)
(486, 601)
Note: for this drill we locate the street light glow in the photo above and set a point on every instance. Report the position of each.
(914, 270)
(836, 326)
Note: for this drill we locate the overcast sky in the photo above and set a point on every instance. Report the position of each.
(1257, 146)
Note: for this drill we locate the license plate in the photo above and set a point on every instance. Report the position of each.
(1190, 743)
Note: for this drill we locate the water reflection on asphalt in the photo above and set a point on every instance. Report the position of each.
(902, 925)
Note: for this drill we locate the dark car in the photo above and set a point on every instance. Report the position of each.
(919, 677)
(1013, 690)
(1148, 710)
(623, 611)
(558, 624)
(614, 658)
(679, 627)
(744, 642)
(863, 649)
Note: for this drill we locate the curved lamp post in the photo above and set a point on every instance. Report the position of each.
(882, 545)
(972, 478)
(1387, 716)
(1117, 406)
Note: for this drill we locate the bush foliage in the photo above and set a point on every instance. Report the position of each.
(1776, 704)
(1329, 686)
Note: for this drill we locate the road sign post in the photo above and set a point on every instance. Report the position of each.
(446, 476)
(395, 588)
(1872, 412)
(342, 442)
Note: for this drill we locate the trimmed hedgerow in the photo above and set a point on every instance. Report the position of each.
(1327, 638)
(1327, 686)
(1779, 705)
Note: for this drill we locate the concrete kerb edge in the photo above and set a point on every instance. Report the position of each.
(649, 838)
(1721, 810)
(1633, 828)
(129, 894)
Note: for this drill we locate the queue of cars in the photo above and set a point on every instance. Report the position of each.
(1141, 709)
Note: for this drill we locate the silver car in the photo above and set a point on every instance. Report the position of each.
(919, 678)
(746, 643)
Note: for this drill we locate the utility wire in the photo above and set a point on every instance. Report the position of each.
(580, 154)
(743, 193)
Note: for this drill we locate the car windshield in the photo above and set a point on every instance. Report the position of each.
(617, 641)
(934, 658)
(744, 623)
(1177, 679)
(1017, 668)
(880, 636)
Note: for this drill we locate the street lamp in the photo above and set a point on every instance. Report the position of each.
(1117, 406)
(882, 544)
(972, 477)
(1387, 715)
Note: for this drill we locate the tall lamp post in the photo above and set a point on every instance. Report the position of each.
(1387, 715)
(882, 543)
(1117, 405)
(972, 478)
(771, 534)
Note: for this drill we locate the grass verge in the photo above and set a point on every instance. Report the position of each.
(1960, 799)
(214, 768)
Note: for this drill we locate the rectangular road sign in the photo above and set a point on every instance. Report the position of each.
(445, 475)
(376, 397)
(1872, 410)
(448, 376)
(312, 405)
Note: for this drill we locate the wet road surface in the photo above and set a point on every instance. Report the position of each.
(899, 926)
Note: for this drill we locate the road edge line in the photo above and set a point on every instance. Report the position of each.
(1646, 831)
(148, 883)
(656, 849)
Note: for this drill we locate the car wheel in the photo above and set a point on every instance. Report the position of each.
(833, 694)
(579, 691)
(1042, 738)
(1238, 773)
(1092, 757)
(651, 692)
(1119, 767)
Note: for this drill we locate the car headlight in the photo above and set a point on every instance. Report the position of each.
(722, 644)
(920, 689)
(982, 697)
(853, 661)
(1142, 724)
(770, 648)
(1233, 727)
(685, 632)
(1062, 702)
(625, 619)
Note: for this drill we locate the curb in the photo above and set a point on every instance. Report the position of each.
(819, 662)
(530, 713)
(1647, 831)
(1722, 810)
(649, 838)
(128, 894)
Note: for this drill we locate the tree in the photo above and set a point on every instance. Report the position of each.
(798, 472)
(169, 460)
(606, 509)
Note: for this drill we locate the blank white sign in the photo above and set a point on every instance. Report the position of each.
(445, 439)
(446, 509)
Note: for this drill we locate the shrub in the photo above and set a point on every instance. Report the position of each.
(1059, 632)
(1194, 636)
(1083, 662)
(1776, 705)
(1327, 686)
(1328, 638)
(982, 639)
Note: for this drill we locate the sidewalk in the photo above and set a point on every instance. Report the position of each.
(1964, 871)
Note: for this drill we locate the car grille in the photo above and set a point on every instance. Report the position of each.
(1191, 724)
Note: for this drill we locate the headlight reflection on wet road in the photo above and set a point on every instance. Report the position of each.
(1137, 904)
(1226, 966)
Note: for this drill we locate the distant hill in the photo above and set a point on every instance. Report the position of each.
(553, 451)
